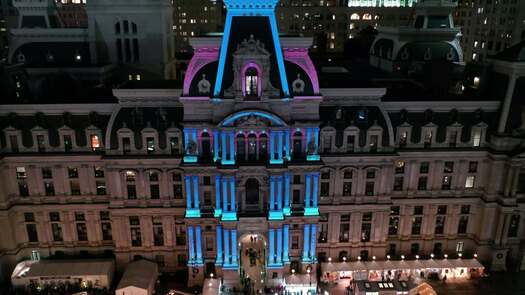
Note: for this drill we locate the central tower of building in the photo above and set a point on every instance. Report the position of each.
(251, 133)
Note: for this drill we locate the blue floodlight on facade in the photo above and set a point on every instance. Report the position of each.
(276, 215)
(229, 216)
(193, 213)
(239, 8)
(311, 211)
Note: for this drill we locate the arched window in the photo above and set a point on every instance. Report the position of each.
(367, 16)
(241, 147)
(252, 147)
(251, 79)
(252, 192)
(355, 16)
(154, 185)
(205, 146)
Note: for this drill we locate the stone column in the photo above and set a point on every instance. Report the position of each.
(198, 245)
(215, 145)
(196, 192)
(436, 175)
(235, 262)
(271, 247)
(232, 147)
(227, 257)
(191, 246)
(218, 207)
(286, 244)
(218, 233)
(287, 179)
(313, 240)
(306, 243)
(188, 187)
(146, 229)
(168, 228)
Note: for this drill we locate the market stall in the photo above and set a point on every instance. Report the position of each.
(43, 273)
(400, 270)
(300, 284)
(138, 279)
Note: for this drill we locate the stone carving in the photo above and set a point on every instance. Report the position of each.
(298, 85)
(339, 114)
(204, 85)
(251, 121)
(50, 57)
(450, 54)
(250, 47)
(21, 57)
(251, 51)
(428, 54)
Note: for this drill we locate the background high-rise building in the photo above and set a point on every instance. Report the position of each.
(196, 18)
(7, 20)
(489, 26)
(72, 13)
(331, 22)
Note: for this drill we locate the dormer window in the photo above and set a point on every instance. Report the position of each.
(251, 82)
(94, 142)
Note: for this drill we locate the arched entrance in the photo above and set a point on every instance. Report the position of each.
(252, 194)
(252, 262)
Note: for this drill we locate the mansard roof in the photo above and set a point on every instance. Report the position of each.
(54, 54)
(141, 118)
(52, 123)
(245, 28)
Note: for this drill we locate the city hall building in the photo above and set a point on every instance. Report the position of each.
(261, 159)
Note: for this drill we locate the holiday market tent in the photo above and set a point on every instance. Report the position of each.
(138, 279)
(376, 270)
(94, 273)
(300, 283)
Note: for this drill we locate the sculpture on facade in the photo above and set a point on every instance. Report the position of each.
(204, 85)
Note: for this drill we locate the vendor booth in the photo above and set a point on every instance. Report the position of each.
(300, 284)
(138, 279)
(383, 288)
(58, 273)
(401, 270)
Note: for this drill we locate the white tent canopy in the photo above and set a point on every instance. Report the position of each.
(138, 279)
(400, 265)
(99, 273)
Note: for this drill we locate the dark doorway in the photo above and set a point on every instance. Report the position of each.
(206, 147)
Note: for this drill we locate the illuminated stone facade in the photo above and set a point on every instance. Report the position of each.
(264, 158)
